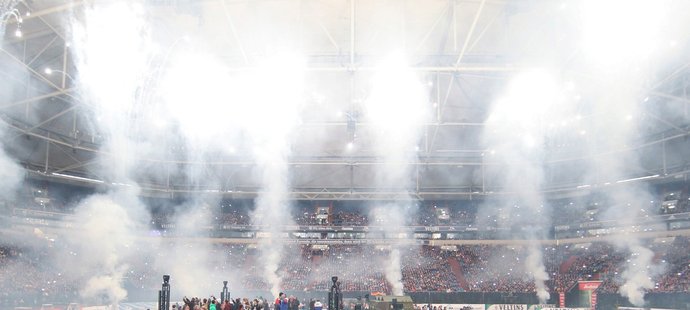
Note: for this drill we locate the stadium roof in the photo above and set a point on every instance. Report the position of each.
(466, 51)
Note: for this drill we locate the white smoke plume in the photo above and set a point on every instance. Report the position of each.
(272, 213)
(11, 173)
(191, 90)
(271, 135)
(193, 93)
(105, 287)
(515, 135)
(627, 205)
(397, 108)
(535, 265)
(624, 52)
(108, 80)
(393, 272)
(104, 237)
(393, 218)
(637, 275)
(189, 255)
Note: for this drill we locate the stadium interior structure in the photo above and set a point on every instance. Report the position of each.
(476, 154)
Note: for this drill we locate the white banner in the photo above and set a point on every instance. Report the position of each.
(452, 306)
(507, 307)
(519, 307)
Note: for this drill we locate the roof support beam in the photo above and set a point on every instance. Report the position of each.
(669, 96)
(74, 166)
(37, 98)
(234, 32)
(352, 32)
(464, 49)
(48, 120)
(55, 9)
(36, 74)
(42, 51)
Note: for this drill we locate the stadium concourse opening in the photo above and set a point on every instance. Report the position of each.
(344, 154)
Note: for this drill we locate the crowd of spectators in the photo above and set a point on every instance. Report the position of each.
(677, 278)
(341, 218)
(25, 278)
(586, 262)
(483, 268)
(282, 302)
(30, 276)
(335, 218)
(359, 267)
(427, 269)
(234, 217)
(427, 214)
(500, 268)
(309, 219)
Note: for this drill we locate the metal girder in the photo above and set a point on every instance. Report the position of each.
(337, 160)
(464, 49)
(355, 68)
(312, 160)
(625, 149)
(61, 148)
(56, 9)
(29, 36)
(669, 77)
(48, 120)
(45, 47)
(352, 31)
(36, 74)
(669, 96)
(367, 193)
(486, 28)
(74, 166)
(670, 124)
(234, 32)
(316, 161)
(364, 124)
(53, 29)
(433, 27)
(340, 195)
(73, 143)
(469, 34)
(37, 98)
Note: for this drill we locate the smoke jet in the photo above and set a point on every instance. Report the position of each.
(398, 107)
(515, 134)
